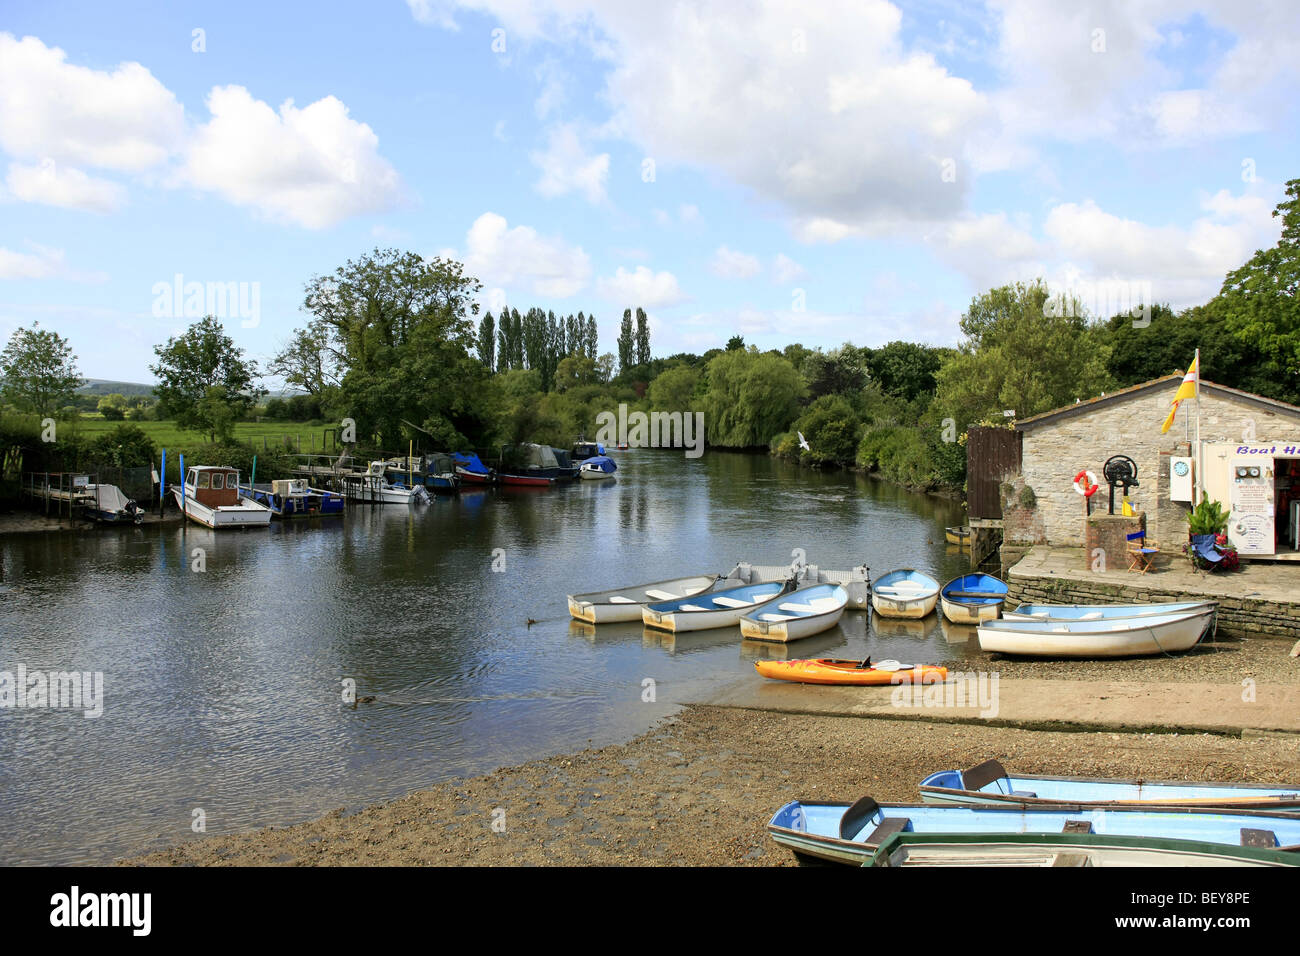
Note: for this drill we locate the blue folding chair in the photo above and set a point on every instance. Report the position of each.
(1204, 546)
(1139, 555)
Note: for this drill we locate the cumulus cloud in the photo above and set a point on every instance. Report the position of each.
(50, 109)
(785, 269)
(729, 264)
(642, 287)
(313, 166)
(52, 184)
(42, 262)
(567, 166)
(520, 259)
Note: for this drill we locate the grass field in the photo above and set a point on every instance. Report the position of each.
(169, 434)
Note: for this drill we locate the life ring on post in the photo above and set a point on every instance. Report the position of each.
(1085, 483)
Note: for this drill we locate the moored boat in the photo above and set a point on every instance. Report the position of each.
(851, 673)
(990, 783)
(1098, 612)
(1119, 637)
(972, 598)
(625, 604)
(436, 471)
(210, 496)
(107, 504)
(904, 593)
(597, 467)
(801, 613)
(582, 450)
(374, 488)
(293, 498)
(959, 535)
(713, 609)
(844, 833)
(471, 470)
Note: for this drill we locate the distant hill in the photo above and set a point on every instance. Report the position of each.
(102, 386)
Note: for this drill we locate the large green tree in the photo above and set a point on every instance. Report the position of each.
(751, 397)
(38, 372)
(204, 381)
(626, 343)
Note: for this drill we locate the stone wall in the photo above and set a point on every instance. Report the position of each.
(1057, 449)
(1107, 539)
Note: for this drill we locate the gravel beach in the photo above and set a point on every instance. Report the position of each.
(699, 788)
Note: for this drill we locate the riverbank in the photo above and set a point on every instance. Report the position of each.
(699, 789)
(31, 522)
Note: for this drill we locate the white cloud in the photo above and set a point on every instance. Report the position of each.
(785, 269)
(53, 184)
(729, 264)
(41, 263)
(313, 166)
(642, 287)
(522, 259)
(567, 166)
(49, 109)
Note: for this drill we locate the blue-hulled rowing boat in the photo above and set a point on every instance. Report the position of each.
(1098, 612)
(973, 598)
(904, 593)
(841, 833)
(712, 609)
(989, 783)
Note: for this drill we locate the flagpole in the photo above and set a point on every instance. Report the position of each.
(1196, 385)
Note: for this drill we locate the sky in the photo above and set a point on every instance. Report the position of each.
(790, 172)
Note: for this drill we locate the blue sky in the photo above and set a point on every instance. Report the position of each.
(850, 171)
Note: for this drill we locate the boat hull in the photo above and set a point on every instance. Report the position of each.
(1124, 637)
(960, 536)
(712, 609)
(960, 613)
(247, 514)
(847, 673)
(1091, 612)
(626, 604)
(905, 593)
(796, 615)
(1059, 850)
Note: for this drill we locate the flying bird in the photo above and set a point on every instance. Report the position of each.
(803, 442)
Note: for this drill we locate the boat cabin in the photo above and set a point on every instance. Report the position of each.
(213, 486)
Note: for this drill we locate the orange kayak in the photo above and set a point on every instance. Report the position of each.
(825, 671)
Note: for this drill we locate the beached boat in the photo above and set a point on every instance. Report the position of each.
(905, 593)
(1120, 637)
(1098, 612)
(841, 833)
(293, 498)
(210, 496)
(851, 673)
(625, 604)
(972, 598)
(959, 536)
(990, 783)
(1068, 849)
(373, 487)
(597, 468)
(107, 504)
(801, 613)
(713, 609)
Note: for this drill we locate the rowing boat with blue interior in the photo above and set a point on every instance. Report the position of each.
(990, 783)
(1118, 637)
(626, 603)
(1098, 612)
(799, 614)
(973, 598)
(713, 609)
(844, 833)
(905, 593)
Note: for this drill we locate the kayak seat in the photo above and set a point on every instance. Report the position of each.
(731, 602)
(662, 595)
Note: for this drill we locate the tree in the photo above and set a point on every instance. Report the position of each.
(1261, 300)
(487, 340)
(592, 339)
(38, 372)
(626, 344)
(750, 398)
(113, 407)
(204, 381)
(674, 389)
(904, 369)
(642, 337)
(308, 361)
(735, 343)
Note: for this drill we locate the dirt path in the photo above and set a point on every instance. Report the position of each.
(699, 790)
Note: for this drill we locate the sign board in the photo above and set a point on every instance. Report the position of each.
(80, 481)
(1250, 497)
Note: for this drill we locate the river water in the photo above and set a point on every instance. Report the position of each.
(223, 687)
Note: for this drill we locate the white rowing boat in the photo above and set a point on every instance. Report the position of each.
(1119, 637)
(625, 604)
(799, 614)
(905, 593)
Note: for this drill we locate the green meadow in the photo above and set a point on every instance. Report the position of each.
(169, 434)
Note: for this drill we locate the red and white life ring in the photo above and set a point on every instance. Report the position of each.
(1085, 483)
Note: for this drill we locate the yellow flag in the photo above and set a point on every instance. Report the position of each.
(1186, 390)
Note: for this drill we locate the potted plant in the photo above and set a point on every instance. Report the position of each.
(1206, 527)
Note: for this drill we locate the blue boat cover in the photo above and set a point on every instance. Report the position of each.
(470, 462)
(602, 462)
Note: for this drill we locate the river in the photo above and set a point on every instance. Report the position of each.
(224, 654)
